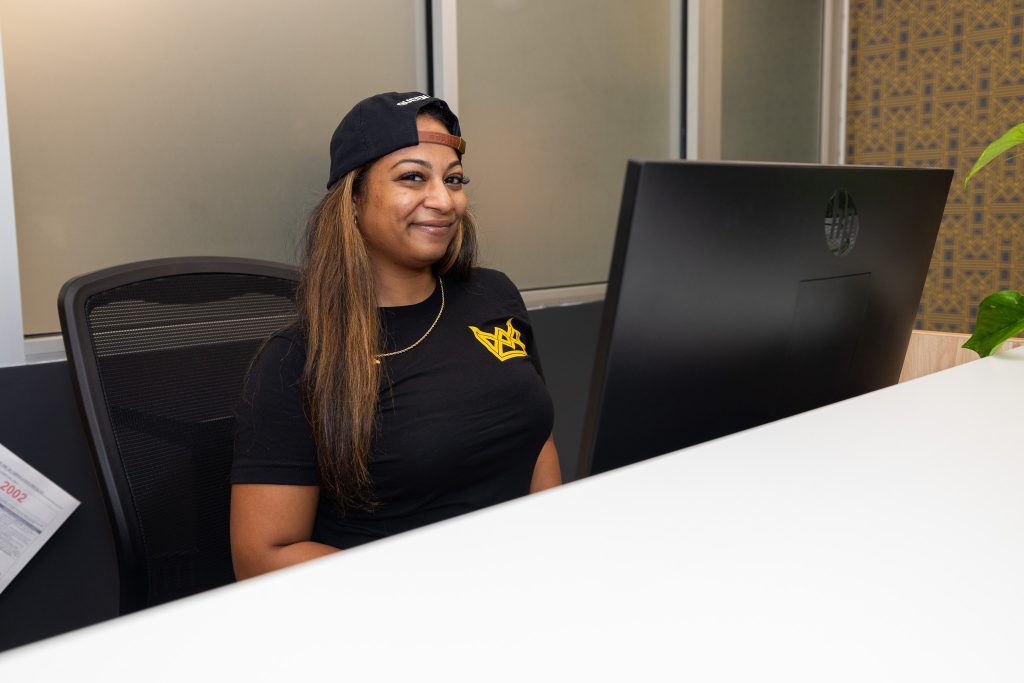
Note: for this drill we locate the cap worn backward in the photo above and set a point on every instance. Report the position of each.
(379, 125)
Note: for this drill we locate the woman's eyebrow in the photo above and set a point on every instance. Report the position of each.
(418, 162)
(424, 164)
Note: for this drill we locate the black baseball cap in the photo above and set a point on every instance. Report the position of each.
(381, 124)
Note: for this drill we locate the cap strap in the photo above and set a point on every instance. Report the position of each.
(453, 141)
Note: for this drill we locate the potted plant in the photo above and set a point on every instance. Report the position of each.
(1000, 315)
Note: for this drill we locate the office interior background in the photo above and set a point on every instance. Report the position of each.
(132, 130)
(142, 130)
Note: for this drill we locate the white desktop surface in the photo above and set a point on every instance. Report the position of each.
(878, 539)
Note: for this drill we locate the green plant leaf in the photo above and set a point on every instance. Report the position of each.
(1000, 316)
(1011, 138)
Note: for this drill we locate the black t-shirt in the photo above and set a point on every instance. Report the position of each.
(463, 415)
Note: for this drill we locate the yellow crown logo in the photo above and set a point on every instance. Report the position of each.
(503, 343)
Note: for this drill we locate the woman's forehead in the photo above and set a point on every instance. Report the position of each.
(434, 154)
(427, 122)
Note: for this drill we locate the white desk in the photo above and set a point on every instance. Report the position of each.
(877, 539)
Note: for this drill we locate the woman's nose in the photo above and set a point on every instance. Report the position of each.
(439, 197)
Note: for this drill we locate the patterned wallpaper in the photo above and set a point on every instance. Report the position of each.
(931, 83)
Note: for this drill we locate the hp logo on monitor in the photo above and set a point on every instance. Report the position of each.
(841, 223)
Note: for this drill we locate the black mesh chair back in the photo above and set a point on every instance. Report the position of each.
(158, 351)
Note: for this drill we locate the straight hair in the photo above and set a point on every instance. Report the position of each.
(339, 317)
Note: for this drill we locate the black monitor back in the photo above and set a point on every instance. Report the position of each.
(741, 293)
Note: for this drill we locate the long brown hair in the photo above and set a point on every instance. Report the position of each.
(337, 312)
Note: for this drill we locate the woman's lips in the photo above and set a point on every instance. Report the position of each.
(438, 228)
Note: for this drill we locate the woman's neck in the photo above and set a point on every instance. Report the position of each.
(404, 289)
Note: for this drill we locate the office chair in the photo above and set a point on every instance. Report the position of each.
(158, 351)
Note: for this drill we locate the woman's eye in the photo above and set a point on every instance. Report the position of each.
(415, 177)
(456, 180)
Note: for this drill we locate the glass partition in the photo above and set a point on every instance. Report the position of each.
(771, 80)
(555, 97)
(167, 128)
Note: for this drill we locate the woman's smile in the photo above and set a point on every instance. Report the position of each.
(433, 228)
(413, 203)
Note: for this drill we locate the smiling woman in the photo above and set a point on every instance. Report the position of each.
(412, 205)
(389, 404)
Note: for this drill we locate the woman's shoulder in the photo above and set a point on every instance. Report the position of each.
(490, 279)
(282, 355)
(285, 341)
(275, 371)
(486, 286)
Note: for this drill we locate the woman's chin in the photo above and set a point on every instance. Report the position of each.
(429, 252)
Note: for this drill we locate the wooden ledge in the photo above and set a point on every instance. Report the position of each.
(933, 351)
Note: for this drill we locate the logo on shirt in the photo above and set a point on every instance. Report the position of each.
(503, 343)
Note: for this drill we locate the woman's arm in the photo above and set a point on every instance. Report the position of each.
(271, 525)
(546, 473)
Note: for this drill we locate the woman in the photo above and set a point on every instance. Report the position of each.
(409, 390)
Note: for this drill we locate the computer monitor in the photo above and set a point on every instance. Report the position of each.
(742, 293)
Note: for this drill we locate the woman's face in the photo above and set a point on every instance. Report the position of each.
(412, 203)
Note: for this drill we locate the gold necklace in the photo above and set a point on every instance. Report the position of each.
(376, 359)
